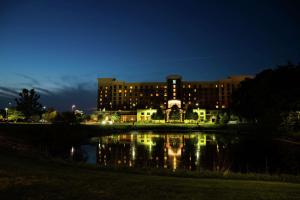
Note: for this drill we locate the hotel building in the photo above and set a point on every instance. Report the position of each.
(114, 94)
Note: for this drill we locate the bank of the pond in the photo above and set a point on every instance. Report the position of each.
(24, 177)
(76, 134)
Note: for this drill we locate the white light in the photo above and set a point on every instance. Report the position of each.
(72, 150)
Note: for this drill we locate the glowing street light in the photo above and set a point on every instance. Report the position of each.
(6, 114)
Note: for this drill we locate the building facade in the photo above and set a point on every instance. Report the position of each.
(120, 95)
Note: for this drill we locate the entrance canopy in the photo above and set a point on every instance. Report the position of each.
(174, 102)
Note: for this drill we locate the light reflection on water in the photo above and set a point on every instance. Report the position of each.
(195, 151)
(170, 151)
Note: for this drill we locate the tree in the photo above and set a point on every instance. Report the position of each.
(49, 116)
(115, 117)
(159, 115)
(66, 118)
(28, 103)
(190, 114)
(174, 113)
(14, 115)
(269, 98)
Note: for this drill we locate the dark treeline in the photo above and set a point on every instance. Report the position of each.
(271, 99)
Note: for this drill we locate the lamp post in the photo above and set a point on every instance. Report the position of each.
(6, 113)
(73, 107)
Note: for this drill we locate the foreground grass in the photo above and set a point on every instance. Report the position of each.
(30, 178)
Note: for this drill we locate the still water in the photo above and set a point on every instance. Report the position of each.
(195, 151)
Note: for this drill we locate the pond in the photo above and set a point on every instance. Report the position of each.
(194, 151)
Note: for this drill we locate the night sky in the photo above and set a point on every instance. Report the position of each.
(61, 47)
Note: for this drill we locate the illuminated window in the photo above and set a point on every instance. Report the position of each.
(189, 86)
(120, 91)
(216, 86)
(141, 95)
(217, 106)
(174, 81)
(165, 94)
(100, 99)
(174, 94)
(195, 90)
(157, 94)
(174, 86)
(157, 86)
(189, 94)
(130, 87)
(151, 95)
(174, 90)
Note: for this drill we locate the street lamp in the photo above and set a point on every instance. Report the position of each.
(73, 107)
(6, 114)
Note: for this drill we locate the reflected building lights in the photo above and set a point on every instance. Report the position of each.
(171, 151)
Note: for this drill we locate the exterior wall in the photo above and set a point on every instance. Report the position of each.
(144, 115)
(120, 95)
(201, 114)
(128, 118)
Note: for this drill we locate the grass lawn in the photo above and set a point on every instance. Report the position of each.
(30, 178)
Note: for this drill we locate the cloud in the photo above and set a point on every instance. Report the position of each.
(61, 97)
(8, 92)
(43, 91)
(82, 95)
(32, 80)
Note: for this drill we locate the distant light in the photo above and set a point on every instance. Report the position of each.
(72, 150)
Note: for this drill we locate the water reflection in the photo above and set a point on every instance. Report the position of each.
(198, 151)
(172, 151)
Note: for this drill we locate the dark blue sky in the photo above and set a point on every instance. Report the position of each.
(61, 47)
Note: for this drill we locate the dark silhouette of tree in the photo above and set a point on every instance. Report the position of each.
(189, 114)
(270, 96)
(66, 118)
(174, 113)
(159, 115)
(28, 103)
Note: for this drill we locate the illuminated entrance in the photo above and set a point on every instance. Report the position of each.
(174, 112)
